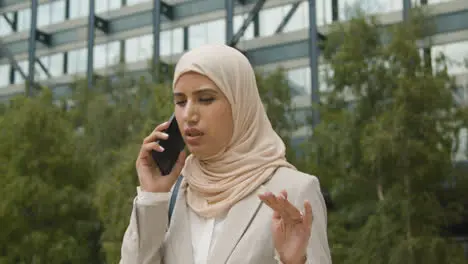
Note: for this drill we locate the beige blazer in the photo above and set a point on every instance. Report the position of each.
(246, 237)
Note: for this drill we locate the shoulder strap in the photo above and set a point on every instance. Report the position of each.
(174, 197)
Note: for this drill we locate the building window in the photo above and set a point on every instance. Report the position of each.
(300, 80)
(139, 48)
(43, 15)
(213, 32)
(18, 79)
(113, 53)
(53, 65)
(131, 49)
(300, 18)
(56, 64)
(324, 12)
(100, 58)
(24, 19)
(348, 8)
(463, 143)
(238, 21)
(438, 1)
(57, 12)
(455, 54)
(78, 8)
(134, 2)
(4, 75)
(171, 42)
(77, 61)
(270, 19)
(5, 27)
(107, 54)
(146, 47)
(103, 6)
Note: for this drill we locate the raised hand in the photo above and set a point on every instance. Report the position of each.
(149, 174)
(291, 229)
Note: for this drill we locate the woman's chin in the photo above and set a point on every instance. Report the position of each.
(199, 152)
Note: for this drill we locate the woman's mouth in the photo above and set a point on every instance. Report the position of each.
(192, 136)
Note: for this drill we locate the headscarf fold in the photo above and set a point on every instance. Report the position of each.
(213, 185)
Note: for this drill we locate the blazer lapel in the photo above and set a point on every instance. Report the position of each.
(181, 238)
(237, 221)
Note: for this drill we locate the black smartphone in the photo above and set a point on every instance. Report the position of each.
(172, 147)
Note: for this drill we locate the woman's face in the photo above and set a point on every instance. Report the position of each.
(203, 114)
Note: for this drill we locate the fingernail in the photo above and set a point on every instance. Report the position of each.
(161, 148)
(165, 135)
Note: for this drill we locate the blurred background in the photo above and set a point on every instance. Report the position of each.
(370, 96)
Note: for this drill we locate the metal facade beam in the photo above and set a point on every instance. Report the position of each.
(251, 16)
(167, 10)
(13, 4)
(156, 34)
(406, 9)
(313, 61)
(4, 52)
(101, 24)
(450, 17)
(43, 67)
(427, 56)
(287, 17)
(335, 10)
(43, 37)
(229, 4)
(9, 21)
(91, 35)
(32, 49)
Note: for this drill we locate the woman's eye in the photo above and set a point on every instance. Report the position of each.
(207, 100)
(180, 102)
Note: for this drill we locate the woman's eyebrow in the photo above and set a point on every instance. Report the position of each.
(202, 90)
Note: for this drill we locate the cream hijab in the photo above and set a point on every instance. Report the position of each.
(255, 151)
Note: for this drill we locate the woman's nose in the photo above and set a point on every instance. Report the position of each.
(191, 114)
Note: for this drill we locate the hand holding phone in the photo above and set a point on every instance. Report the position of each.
(158, 169)
(172, 148)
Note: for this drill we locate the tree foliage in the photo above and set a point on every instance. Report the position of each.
(386, 145)
(47, 215)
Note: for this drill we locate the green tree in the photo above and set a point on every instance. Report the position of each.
(112, 118)
(117, 183)
(46, 210)
(385, 145)
(275, 93)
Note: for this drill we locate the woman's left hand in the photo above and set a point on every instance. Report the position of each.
(291, 229)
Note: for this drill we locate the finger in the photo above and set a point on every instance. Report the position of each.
(308, 215)
(270, 200)
(148, 147)
(161, 126)
(155, 136)
(291, 212)
(275, 204)
(284, 193)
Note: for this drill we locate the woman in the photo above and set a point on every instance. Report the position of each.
(240, 200)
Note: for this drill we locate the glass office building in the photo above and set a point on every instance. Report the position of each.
(278, 36)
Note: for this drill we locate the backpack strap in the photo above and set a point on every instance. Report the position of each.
(174, 197)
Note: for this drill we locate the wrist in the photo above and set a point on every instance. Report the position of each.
(301, 260)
